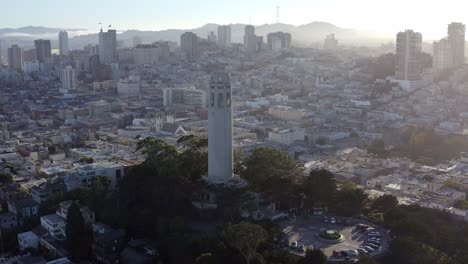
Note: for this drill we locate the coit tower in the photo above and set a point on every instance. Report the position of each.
(220, 157)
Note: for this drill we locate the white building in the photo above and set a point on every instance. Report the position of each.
(146, 54)
(442, 56)
(220, 155)
(55, 225)
(287, 136)
(68, 78)
(28, 240)
(108, 46)
(30, 67)
(63, 43)
(129, 87)
(224, 36)
(187, 96)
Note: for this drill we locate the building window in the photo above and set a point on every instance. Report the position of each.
(228, 99)
(220, 100)
(212, 99)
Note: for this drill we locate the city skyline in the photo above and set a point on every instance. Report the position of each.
(160, 16)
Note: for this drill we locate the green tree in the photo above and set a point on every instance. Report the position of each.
(349, 202)
(273, 173)
(244, 238)
(385, 203)
(319, 187)
(78, 238)
(313, 256)
(408, 251)
(5, 178)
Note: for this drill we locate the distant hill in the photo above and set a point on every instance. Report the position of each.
(308, 33)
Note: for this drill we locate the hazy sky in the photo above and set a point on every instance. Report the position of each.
(387, 17)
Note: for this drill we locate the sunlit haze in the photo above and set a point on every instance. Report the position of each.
(382, 17)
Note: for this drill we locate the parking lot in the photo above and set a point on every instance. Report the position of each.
(305, 232)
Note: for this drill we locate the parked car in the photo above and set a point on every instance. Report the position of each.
(372, 245)
(362, 251)
(294, 245)
(353, 253)
(333, 220)
(369, 249)
(301, 249)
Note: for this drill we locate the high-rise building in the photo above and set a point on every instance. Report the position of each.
(68, 78)
(456, 40)
(408, 55)
(30, 55)
(330, 43)
(137, 41)
(212, 37)
(189, 43)
(108, 46)
(224, 36)
(15, 57)
(63, 43)
(252, 42)
(279, 40)
(442, 56)
(146, 54)
(43, 49)
(220, 155)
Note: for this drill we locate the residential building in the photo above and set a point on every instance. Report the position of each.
(330, 43)
(287, 136)
(279, 41)
(224, 36)
(28, 240)
(456, 40)
(43, 49)
(189, 43)
(8, 220)
(108, 46)
(88, 214)
(68, 78)
(55, 225)
(29, 55)
(442, 56)
(287, 113)
(146, 54)
(408, 55)
(187, 96)
(43, 192)
(25, 208)
(108, 243)
(212, 37)
(252, 42)
(15, 57)
(130, 86)
(63, 43)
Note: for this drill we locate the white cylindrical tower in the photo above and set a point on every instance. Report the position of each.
(220, 157)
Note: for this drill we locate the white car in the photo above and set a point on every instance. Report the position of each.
(332, 221)
(294, 245)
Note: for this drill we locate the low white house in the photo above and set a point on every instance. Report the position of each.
(28, 240)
